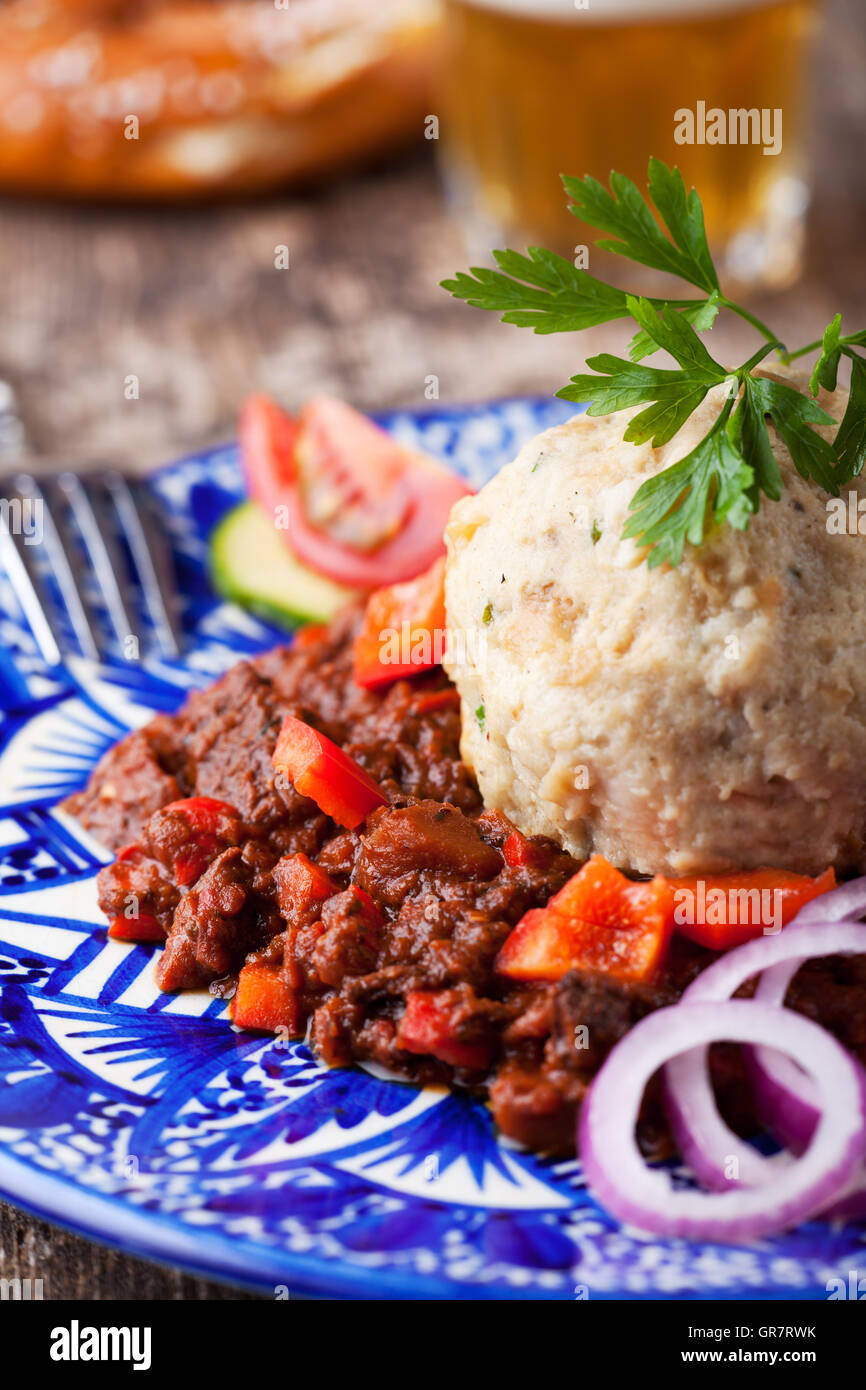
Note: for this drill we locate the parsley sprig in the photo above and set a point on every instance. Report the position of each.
(725, 476)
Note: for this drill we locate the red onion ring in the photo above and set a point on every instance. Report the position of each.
(718, 1156)
(643, 1197)
(785, 1095)
(843, 904)
(797, 942)
(850, 1205)
(787, 1101)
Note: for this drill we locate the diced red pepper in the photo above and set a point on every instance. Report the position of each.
(599, 893)
(128, 852)
(545, 946)
(144, 927)
(317, 768)
(301, 885)
(309, 635)
(364, 908)
(539, 948)
(600, 920)
(191, 862)
(191, 832)
(203, 814)
(520, 853)
(403, 632)
(742, 898)
(265, 1002)
(433, 700)
(427, 1028)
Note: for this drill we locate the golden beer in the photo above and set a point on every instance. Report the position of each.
(534, 90)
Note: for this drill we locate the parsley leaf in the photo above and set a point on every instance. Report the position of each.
(749, 434)
(683, 215)
(627, 385)
(711, 484)
(637, 235)
(672, 332)
(793, 414)
(850, 442)
(674, 395)
(700, 315)
(725, 476)
(827, 367)
(541, 291)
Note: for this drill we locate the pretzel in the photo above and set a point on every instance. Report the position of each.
(183, 98)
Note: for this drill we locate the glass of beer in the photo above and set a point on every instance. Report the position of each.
(533, 89)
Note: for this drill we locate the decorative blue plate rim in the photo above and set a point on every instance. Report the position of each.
(144, 1121)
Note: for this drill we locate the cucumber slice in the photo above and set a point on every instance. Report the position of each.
(252, 565)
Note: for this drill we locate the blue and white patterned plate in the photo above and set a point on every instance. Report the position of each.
(145, 1120)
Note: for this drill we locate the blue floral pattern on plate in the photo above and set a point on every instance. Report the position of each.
(145, 1120)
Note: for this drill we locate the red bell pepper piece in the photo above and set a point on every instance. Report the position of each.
(363, 908)
(204, 815)
(144, 927)
(317, 768)
(520, 853)
(545, 945)
(403, 632)
(600, 920)
(743, 899)
(264, 1001)
(301, 885)
(188, 834)
(308, 636)
(427, 1028)
(432, 700)
(128, 852)
(599, 893)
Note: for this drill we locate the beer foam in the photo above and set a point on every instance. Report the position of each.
(600, 11)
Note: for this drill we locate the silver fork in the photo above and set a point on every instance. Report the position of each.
(77, 548)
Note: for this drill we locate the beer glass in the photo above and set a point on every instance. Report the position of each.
(537, 88)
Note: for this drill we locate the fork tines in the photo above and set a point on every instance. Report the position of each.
(89, 565)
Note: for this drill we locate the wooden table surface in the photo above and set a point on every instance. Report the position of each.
(190, 302)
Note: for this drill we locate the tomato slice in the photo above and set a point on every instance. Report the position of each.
(403, 632)
(354, 504)
(352, 475)
(267, 437)
(317, 768)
